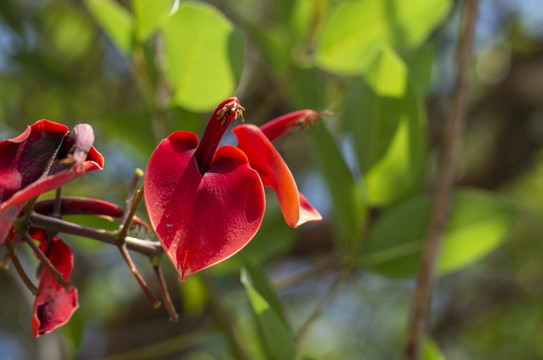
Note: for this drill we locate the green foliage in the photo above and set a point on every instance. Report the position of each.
(356, 29)
(274, 331)
(150, 15)
(478, 223)
(116, 21)
(347, 195)
(203, 56)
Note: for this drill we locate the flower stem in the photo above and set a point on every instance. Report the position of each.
(166, 295)
(68, 286)
(26, 280)
(137, 275)
(145, 247)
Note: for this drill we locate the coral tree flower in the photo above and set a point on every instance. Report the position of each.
(205, 204)
(44, 157)
(53, 306)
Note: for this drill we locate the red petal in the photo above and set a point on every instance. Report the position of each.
(75, 205)
(25, 171)
(265, 159)
(201, 220)
(53, 306)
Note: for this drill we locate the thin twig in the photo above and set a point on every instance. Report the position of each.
(443, 192)
(57, 206)
(57, 212)
(321, 267)
(137, 275)
(68, 286)
(166, 299)
(145, 247)
(4, 264)
(222, 318)
(26, 280)
(125, 225)
(332, 292)
(131, 191)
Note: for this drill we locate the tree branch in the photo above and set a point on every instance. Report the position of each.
(146, 247)
(444, 188)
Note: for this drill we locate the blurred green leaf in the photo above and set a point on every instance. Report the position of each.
(389, 141)
(430, 350)
(400, 172)
(275, 334)
(387, 73)
(348, 198)
(421, 65)
(203, 56)
(150, 15)
(194, 294)
(116, 21)
(477, 225)
(355, 28)
(72, 34)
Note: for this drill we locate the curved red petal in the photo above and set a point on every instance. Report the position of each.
(30, 166)
(265, 159)
(53, 306)
(201, 220)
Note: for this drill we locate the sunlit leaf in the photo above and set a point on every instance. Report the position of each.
(389, 141)
(387, 73)
(203, 56)
(478, 224)
(356, 28)
(399, 173)
(116, 21)
(348, 198)
(150, 14)
(275, 335)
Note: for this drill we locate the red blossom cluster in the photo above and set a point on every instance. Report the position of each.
(205, 202)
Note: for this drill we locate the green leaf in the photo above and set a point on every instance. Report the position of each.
(203, 56)
(356, 28)
(116, 21)
(389, 139)
(400, 172)
(387, 74)
(430, 350)
(274, 332)
(150, 15)
(348, 197)
(478, 224)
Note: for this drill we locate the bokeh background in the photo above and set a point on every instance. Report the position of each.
(60, 60)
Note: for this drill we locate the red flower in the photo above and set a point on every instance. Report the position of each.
(204, 203)
(53, 306)
(44, 157)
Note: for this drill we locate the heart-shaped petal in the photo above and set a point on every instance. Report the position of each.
(201, 220)
(265, 159)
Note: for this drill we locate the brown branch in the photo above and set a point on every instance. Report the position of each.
(68, 286)
(125, 225)
(26, 280)
(145, 247)
(443, 192)
(137, 275)
(168, 304)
